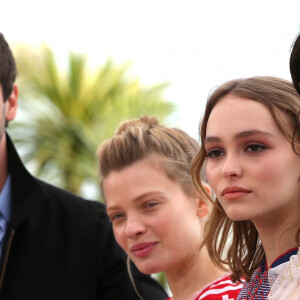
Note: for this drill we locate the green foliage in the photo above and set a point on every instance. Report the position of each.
(66, 115)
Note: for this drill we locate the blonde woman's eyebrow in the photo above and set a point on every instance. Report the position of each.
(147, 194)
(111, 209)
(135, 200)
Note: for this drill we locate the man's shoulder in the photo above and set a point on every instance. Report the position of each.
(54, 192)
(68, 203)
(27, 186)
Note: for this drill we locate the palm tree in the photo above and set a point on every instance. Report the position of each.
(65, 115)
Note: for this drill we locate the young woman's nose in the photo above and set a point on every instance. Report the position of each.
(134, 227)
(231, 166)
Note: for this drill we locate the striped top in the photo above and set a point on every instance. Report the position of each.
(258, 287)
(221, 289)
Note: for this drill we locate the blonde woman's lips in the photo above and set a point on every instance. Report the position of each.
(143, 249)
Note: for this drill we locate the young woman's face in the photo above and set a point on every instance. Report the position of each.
(250, 165)
(153, 220)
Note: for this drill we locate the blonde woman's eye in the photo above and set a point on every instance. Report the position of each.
(150, 204)
(116, 217)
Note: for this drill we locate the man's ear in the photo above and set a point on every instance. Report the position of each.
(202, 205)
(12, 104)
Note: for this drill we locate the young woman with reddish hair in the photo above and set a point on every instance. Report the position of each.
(250, 149)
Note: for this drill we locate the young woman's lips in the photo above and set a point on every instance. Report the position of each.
(234, 192)
(143, 249)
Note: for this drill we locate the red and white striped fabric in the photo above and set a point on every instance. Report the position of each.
(221, 289)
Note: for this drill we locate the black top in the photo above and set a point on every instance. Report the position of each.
(59, 246)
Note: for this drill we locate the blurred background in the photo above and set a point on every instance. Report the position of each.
(85, 66)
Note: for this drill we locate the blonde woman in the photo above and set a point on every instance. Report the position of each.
(156, 213)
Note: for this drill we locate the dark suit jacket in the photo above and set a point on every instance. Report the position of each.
(59, 246)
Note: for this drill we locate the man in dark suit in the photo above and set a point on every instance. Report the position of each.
(53, 244)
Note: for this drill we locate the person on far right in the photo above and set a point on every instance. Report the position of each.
(250, 148)
(295, 64)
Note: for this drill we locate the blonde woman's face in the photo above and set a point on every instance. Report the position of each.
(154, 221)
(250, 165)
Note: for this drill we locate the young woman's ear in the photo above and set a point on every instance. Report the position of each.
(207, 188)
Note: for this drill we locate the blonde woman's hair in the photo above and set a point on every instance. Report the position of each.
(138, 139)
(245, 253)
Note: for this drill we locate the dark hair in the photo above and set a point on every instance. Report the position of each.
(245, 252)
(295, 64)
(8, 69)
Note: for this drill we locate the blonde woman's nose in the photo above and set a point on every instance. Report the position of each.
(134, 227)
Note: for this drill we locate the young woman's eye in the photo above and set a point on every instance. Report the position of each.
(214, 153)
(255, 148)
